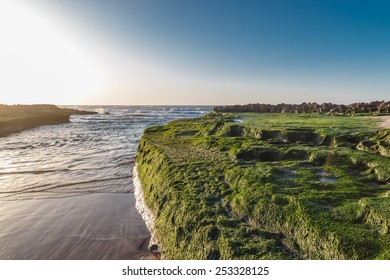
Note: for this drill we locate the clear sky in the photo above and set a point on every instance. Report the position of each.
(194, 51)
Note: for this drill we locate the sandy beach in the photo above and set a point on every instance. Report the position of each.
(95, 226)
(386, 121)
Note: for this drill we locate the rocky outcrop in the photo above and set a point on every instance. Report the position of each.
(14, 118)
(379, 143)
(375, 107)
(222, 190)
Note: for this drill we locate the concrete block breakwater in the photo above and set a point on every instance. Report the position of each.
(375, 107)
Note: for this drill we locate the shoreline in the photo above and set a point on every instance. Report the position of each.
(96, 226)
(146, 214)
(16, 118)
(385, 121)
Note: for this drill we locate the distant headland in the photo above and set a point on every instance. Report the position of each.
(14, 118)
(375, 107)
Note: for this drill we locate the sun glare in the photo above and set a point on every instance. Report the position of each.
(40, 61)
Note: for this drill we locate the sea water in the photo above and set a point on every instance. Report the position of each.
(66, 191)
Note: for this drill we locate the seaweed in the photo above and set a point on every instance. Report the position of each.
(274, 186)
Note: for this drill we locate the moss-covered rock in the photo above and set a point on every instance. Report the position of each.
(378, 143)
(267, 189)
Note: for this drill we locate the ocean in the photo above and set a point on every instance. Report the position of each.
(66, 191)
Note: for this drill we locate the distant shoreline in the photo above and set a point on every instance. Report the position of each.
(15, 118)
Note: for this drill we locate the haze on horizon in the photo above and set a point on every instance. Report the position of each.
(193, 52)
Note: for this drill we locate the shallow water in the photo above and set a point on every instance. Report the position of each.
(326, 177)
(66, 190)
(328, 180)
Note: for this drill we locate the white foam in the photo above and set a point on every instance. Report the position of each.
(143, 209)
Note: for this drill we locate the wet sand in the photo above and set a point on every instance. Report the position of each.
(93, 226)
(386, 121)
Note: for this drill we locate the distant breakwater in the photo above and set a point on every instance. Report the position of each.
(14, 118)
(375, 107)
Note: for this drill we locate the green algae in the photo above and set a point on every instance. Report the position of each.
(222, 189)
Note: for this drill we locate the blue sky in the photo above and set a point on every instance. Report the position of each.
(203, 52)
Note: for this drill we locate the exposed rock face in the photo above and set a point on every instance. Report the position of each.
(14, 118)
(375, 107)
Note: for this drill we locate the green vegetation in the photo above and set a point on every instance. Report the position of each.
(268, 186)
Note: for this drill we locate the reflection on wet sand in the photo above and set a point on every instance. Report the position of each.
(94, 226)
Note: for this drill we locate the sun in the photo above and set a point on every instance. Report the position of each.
(41, 61)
